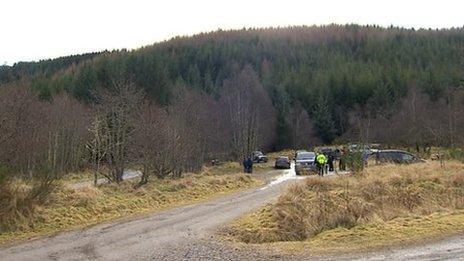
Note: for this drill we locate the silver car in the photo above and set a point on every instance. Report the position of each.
(258, 156)
(305, 162)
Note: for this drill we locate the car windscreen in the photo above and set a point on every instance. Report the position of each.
(407, 157)
(305, 156)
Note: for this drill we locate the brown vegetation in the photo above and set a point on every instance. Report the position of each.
(383, 193)
(19, 201)
(417, 121)
(68, 208)
(42, 140)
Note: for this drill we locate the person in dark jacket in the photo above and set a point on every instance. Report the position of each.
(250, 165)
(245, 165)
(330, 161)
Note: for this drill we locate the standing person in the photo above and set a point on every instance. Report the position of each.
(330, 161)
(250, 165)
(321, 160)
(377, 157)
(365, 158)
(245, 165)
(343, 155)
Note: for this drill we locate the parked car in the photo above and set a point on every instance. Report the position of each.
(396, 156)
(305, 162)
(258, 156)
(282, 162)
(368, 149)
(296, 153)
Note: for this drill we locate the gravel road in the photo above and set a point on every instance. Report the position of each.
(187, 233)
(151, 237)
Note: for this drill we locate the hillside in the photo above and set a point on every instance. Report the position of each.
(177, 110)
(333, 77)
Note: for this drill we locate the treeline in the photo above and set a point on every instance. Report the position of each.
(44, 68)
(43, 140)
(328, 79)
(125, 127)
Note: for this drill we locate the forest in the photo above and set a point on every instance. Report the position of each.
(172, 106)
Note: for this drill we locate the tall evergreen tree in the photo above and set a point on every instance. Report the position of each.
(323, 120)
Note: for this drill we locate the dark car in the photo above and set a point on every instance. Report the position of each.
(396, 156)
(305, 162)
(258, 156)
(282, 162)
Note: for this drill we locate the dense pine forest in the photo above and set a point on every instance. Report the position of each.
(225, 93)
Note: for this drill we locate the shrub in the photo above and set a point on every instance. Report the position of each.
(457, 154)
(19, 199)
(355, 161)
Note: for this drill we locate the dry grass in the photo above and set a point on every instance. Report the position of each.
(69, 208)
(390, 195)
(288, 153)
(74, 177)
(377, 234)
(231, 167)
(16, 205)
(19, 201)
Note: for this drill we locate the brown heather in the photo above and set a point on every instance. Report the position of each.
(381, 194)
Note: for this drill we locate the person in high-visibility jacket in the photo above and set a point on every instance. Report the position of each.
(321, 160)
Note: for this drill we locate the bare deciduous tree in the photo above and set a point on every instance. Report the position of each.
(67, 133)
(153, 143)
(115, 118)
(23, 132)
(249, 111)
(303, 133)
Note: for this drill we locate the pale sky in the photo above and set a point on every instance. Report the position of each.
(39, 29)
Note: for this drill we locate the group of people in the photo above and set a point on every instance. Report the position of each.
(325, 162)
(247, 165)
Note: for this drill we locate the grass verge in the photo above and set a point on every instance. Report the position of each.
(70, 208)
(376, 235)
(387, 205)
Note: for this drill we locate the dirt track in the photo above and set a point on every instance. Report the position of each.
(147, 237)
(186, 233)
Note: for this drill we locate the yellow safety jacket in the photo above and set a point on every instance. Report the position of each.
(321, 159)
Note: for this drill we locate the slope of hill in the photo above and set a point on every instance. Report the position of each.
(331, 73)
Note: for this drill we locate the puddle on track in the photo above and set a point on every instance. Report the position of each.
(289, 174)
